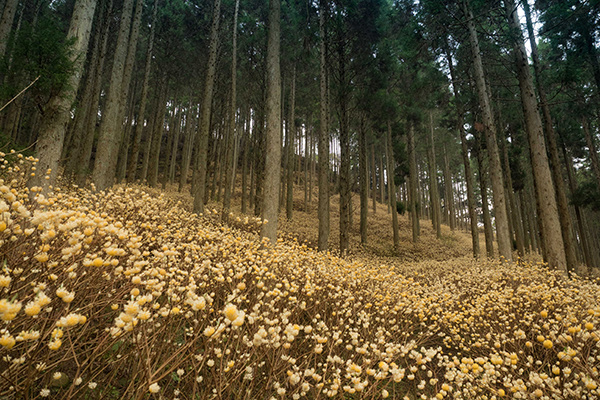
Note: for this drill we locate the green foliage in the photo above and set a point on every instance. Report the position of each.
(401, 207)
(587, 194)
(39, 50)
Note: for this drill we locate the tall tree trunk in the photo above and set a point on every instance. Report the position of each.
(139, 127)
(291, 132)
(381, 186)
(83, 98)
(593, 152)
(84, 112)
(516, 225)
(204, 128)
(433, 183)
(487, 223)
(502, 233)
(344, 174)
(110, 126)
(465, 157)
(157, 130)
(311, 171)
(128, 128)
(551, 228)
(230, 160)
(259, 163)
(273, 131)
(126, 84)
(89, 128)
(8, 16)
(364, 179)
(583, 236)
(523, 218)
(175, 148)
(323, 209)
(413, 182)
(555, 165)
(57, 112)
(306, 166)
(245, 160)
(449, 195)
(387, 158)
(188, 145)
(373, 179)
(392, 187)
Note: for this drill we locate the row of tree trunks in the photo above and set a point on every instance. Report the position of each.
(199, 179)
(110, 126)
(545, 193)
(57, 111)
(502, 232)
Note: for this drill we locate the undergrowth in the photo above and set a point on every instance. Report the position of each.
(126, 294)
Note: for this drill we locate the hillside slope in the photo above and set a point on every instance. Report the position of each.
(126, 294)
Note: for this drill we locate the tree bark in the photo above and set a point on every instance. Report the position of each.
(157, 132)
(516, 225)
(82, 166)
(110, 126)
(364, 179)
(323, 209)
(487, 223)
(8, 17)
(230, 159)
(465, 156)
(373, 179)
(433, 183)
(555, 165)
(344, 173)
(175, 148)
(126, 85)
(273, 130)
(502, 232)
(188, 145)
(551, 228)
(128, 128)
(392, 187)
(57, 112)
(583, 235)
(205, 114)
(593, 152)
(449, 195)
(139, 127)
(290, 134)
(413, 182)
(306, 166)
(245, 160)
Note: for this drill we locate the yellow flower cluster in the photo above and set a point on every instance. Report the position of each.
(129, 288)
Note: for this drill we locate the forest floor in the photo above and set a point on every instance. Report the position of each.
(127, 294)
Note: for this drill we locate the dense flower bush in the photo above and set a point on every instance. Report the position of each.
(124, 294)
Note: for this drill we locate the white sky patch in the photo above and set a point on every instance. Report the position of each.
(537, 26)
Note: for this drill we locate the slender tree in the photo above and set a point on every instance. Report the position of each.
(502, 232)
(6, 23)
(111, 127)
(413, 182)
(57, 112)
(199, 184)
(551, 229)
(139, 126)
(230, 160)
(323, 148)
(273, 136)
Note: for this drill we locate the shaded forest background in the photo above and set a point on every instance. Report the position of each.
(456, 112)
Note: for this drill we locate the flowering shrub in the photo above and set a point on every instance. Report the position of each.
(124, 294)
